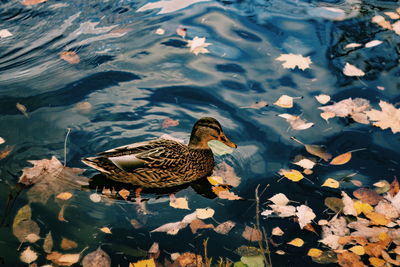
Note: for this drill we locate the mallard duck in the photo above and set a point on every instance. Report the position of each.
(163, 163)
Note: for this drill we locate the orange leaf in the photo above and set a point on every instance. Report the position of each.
(124, 193)
(61, 214)
(105, 230)
(350, 259)
(199, 224)
(70, 56)
(376, 262)
(32, 2)
(394, 187)
(64, 196)
(310, 228)
(341, 159)
(377, 218)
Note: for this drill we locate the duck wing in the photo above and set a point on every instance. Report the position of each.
(157, 154)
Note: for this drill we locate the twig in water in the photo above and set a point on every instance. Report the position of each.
(260, 243)
(65, 147)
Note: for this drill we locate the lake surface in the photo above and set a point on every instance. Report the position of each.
(130, 78)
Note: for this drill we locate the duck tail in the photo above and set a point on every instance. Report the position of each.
(95, 163)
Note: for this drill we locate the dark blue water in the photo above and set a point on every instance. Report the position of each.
(133, 79)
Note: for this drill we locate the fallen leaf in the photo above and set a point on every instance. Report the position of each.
(326, 257)
(25, 228)
(198, 45)
(367, 196)
(293, 175)
(291, 61)
(356, 182)
(63, 259)
(279, 199)
(309, 227)
(350, 259)
(331, 241)
(135, 224)
(297, 242)
(392, 15)
(67, 244)
(95, 197)
(277, 231)
(382, 186)
(4, 33)
(70, 56)
(32, 2)
(296, 122)
(160, 31)
(376, 262)
(308, 171)
(204, 213)
(318, 151)
(334, 203)
(48, 243)
(355, 108)
(226, 194)
(84, 107)
(352, 45)
(124, 193)
(143, 263)
(341, 159)
(28, 255)
(23, 109)
(386, 208)
(305, 163)
(359, 250)
(388, 117)
(323, 99)
(225, 227)
(332, 183)
(187, 259)
(179, 203)
(106, 230)
(280, 252)
(305, 215)
(97, 258)
(284, 101)
(199, 224)
(381, 22)
(327, 115)
(171, 228)
(283, 211)
(61, 214)
(362, 207)
(50, 177)
(168, 122)
(351, 70)
(348, 203)
(314, 252)
(373, 43)
(377, 218)
(388, 259)
(2, 141)
(394, 187)
(252, 234)
(64, 196)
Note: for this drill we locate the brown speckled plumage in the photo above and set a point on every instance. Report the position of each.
(162, 163)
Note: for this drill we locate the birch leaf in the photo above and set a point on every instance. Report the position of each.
(341, 159)
(297, 242)
(351, 70)
(305, 215)
(323, 99)
(332, 183)
(279, 199)
(28, 255)
(305, 163)
(293, 175)
(291, 61)
(327, 115)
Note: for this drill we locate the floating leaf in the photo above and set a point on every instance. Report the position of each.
(143, 263)
(198, 45)
(326, 257)
(348, 208)
(67, 244)
(388, 117)
(359, 250)
(377, 218)
(305, 163)
(4, 33)
(323, 99)
(291, 61)
(225, 227)
(199, 224)
(187, 259)
(382, 186)
(179, 203)
(23, 109)
(314, 252)
(257, 105)
(341, 159)
(204, 213)
(327, 115)
(70, 56)
(334, 203)
(170, 123)
(352, 45)
(350, 259)
(332, 183)
(32, 2)
(95, 197)
(277, 231)
(106, 230)
(284, 101)
(296, 122)
(97, 258)
(362, 207)
(297, 242)
(367, 196)
(248, 251)
(64, 196)
(373, 43)
(351, 70)
(32, 238)
(124, 193)
(376, 262)
(252, 234)
(293, 175)
(28, 255)
(63, 259)
(381, 22)
(160, 31)
(279, 199)
(305, 215)
(181, 31)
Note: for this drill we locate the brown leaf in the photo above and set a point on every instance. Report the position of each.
(32, 2)
(49, 177)
(61, 214)
(67, 244)
(70, 56)
(154, 251)
(170, 123)
(63, 259)
(48, 243)
(225, 227)
(334, 203)
(387, 258)
(367, 196)
(318, 151)
(310, 228)
(124, 193)
(341, 159)
(188, 259)
(24, 228)
(394, 187)
(199, 224)
(343, 240)
(374, 249)
(97, 258)
(350, 259)
(5, 152)
(252, 234)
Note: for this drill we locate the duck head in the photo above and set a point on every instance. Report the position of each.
(207, 129)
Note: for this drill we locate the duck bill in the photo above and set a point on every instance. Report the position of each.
(228, 142)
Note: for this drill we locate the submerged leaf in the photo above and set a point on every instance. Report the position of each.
(252, 234)
(97, 258)
(318, 151)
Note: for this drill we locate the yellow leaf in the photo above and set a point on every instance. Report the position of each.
(341, 159)
(359, 250)
(362, 207)
(297, 242)
(383, 236)
(377, 218)
(332, 183)
(124, 193)
(215, 180)
(64, 195)
(143, 263)
(293, 175)
(105, 230)
(376, 262)
(314, 252)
